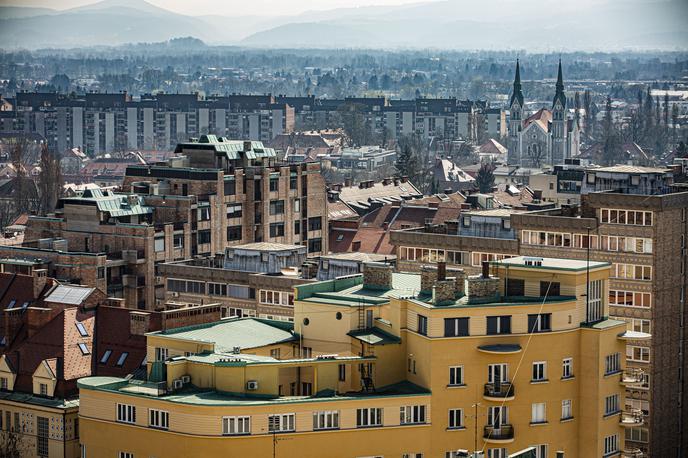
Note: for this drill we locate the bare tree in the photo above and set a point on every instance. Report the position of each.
(12, 444)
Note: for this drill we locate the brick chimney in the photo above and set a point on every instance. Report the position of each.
(40, 278)
(37, 317)
(482, 288)
(377, 275)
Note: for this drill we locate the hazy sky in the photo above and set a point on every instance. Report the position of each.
(225, 7)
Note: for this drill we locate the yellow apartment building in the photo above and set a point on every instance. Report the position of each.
(520, 360)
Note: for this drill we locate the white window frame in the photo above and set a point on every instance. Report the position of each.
(412, 415)
(611, 444)
(325, 419)
(541, 368)
(239, 425)
(126, 413)
(282, 423)
(644, 354)
(538, 411)
(372, 416)
(611, 404)
(456, 373)
(159, 419)
(455, 420)
(566, 409)
(567, 368)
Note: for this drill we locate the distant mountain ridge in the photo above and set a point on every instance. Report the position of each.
(447, 24)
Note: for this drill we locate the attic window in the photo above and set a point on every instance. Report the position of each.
(82, 329)
(105, 357)
(84, 349)
(340, 237)
(122, 358)
(11, 304)
(25, 304)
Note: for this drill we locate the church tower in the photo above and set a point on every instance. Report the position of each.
(559, 134)
(515, 120)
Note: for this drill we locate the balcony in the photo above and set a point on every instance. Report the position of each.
(632, 377)
(503, 434)
(631, 418)
(499, 392)
(632, 453)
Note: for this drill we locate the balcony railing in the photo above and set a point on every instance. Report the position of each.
(632, 418)
(498, 433)
(632, 453)
(500, 390)
(633, 376)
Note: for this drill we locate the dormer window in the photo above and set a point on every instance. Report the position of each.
(84, 349)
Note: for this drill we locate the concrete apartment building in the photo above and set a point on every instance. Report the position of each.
(218, 193)
(386, 364)
(102, 123)
(643, 235)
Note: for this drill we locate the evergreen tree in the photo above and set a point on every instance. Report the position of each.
(485, 178)
(407, 162)
(610, 139)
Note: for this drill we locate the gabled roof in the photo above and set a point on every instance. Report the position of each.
(542, 117)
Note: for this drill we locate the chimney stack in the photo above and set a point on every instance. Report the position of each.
(441, 270)
(377, 275)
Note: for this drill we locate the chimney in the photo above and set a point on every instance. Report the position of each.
(40, 278)
(247, 145)
(441, 270)
(459, 276)
(347, 182)
(482, 288)
(404, 179)
(37, 317)
(377, 275)
(428, 277)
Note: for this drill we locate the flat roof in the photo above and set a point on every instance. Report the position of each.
(266, 246)
(212, 398)
(552, 263)
(628, 169)
(234, 333)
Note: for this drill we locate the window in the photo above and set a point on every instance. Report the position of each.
(230, 186)
(548, 289)
(281, 423)
(637, 435)
(423, 325)
(455, 327)
(632, 217)
(126, 455)
(409, 415)
(611, 404)
(42, 438)
(455, 418)
(178, 240)
(276, 207)
(276, 229)
(541, 450)
(293, 182)
(43, 389)
(478, 258)
(538, 413)
(233, 426)
(122, 359)
(540, 322)
(496, 453)
(326, 420)
(566, 410)
(297, 227)
(640, 354)
(314, 245)
(234, 211)
(515, 287)
(296, 205)
(82, 330)
(217, 289)
(161, 354)
(342, 372)
(567, 368)
(456, 375)
(203, 236)
(594, 306)
(105, 357)
(612, 363)
(315, 223)
(611, 444)
(539, 371)
(126, 413)
(499, 325)
(158, 419)
(203, 213)
(233, 233)
(631, 271)
(274, 184)
(159, 244)
(368, 417)
(84, 348)
(629, 298)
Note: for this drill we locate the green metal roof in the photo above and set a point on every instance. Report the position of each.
(374, 336)
(235, 333)
(114, 204)
(27, 398)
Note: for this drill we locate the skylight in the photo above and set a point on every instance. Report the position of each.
(105, 357)
(82, 329)
(84, 349)
(122, 358)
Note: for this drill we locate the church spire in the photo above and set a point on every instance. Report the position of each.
(517, 93)
(559, 94)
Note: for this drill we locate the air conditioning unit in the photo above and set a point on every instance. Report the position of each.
(252, 385)
(186, 379)
(177, 384)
